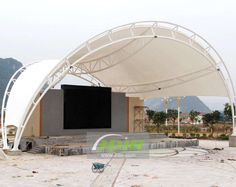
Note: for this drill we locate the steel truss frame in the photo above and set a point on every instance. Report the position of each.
(4, 103)
(137, 41)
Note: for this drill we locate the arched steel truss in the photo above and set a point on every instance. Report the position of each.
(4, 102)
(85, 69)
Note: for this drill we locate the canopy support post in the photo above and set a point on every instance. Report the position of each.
(232, 138)
(233, 119)
(4, 138)
(17, 140)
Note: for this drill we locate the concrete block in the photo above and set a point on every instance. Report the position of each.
(232, 141)
(14, 153)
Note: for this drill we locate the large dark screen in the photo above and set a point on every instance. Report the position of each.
(86, 107)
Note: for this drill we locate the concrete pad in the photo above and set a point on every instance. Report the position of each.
(215, 168)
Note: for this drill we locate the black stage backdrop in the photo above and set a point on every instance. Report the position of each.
(86, 107)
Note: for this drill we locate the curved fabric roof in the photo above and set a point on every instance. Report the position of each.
(144, 59)
(147, 60)
(26, 86)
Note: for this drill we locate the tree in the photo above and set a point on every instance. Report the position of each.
(159, 118)
(193, 115)
(216, 116)
(210, 119)
(228, 112)
(172, 115)
(150, 114)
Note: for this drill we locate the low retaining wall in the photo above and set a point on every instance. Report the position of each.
(66, 150)
(79, 145)
(78, 139)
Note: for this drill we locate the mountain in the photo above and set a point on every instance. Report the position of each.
(8, 66)
(187, 104)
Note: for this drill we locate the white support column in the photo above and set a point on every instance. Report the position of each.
(234, 126)
(233, 119)
(232, 138)
(4, 138)
(178, 103)
(17, 139)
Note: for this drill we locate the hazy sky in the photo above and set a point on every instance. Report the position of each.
(33, 30)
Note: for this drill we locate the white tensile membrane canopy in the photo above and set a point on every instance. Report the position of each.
(144, 59)
(26, 85)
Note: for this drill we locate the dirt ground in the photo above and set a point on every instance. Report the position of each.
(190, 167)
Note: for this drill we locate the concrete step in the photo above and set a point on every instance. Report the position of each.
(37, 150)
(78, 149)
(84, 138)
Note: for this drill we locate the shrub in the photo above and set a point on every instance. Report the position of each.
(150, 128)
(204, 136)
(223, 137)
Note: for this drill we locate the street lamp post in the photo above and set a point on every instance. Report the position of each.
(178, 103)
(166, 107)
